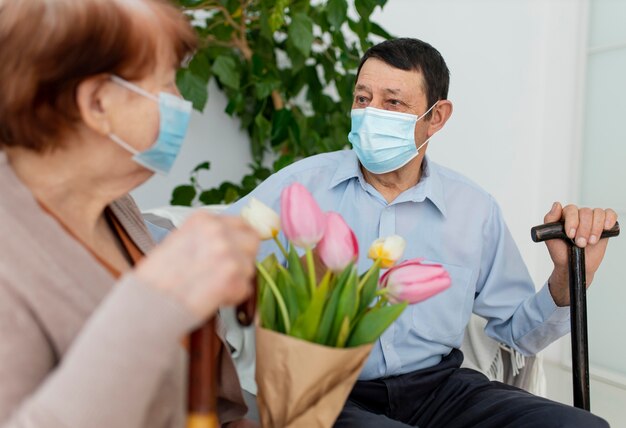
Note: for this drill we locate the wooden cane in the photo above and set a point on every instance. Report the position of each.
(204, 348)
(578, 305)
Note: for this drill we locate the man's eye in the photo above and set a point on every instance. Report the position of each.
(361, 99)
(395, 102)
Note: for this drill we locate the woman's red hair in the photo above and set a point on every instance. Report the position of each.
(47, 47)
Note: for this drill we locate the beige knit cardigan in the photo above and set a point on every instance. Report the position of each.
(79, 348)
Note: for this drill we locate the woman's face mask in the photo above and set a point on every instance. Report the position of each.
(174, 115)
(383, 140)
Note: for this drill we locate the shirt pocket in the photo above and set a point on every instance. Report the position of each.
(443, 316)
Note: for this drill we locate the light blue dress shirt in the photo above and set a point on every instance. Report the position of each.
(445, 219)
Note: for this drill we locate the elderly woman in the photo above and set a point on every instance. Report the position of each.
(91, 331)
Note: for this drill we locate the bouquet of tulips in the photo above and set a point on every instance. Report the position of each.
(316, 330)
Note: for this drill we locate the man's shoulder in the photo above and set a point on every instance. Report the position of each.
(326, 162)
(314, 172)
(454, 181)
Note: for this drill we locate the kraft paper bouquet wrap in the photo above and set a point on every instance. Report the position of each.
(315, 331)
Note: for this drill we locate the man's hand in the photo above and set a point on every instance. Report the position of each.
(584, 226)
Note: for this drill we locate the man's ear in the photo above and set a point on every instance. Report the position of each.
(440, 115)
(93, 98)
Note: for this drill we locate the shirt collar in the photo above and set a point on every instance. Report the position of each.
(429, 187)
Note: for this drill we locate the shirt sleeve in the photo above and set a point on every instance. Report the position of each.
(109, 375)
(516, 314)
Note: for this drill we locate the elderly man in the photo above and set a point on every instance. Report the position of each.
(386, 185)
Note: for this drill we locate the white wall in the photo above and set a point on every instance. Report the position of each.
(517, 84)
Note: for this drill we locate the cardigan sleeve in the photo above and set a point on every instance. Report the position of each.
(109, 375)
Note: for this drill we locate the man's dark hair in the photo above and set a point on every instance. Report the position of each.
(414, 55)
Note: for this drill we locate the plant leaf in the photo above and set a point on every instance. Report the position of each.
(225, 69)
(368, 292)
(201, 166)
(306, 325)
(301, 33)
(374, 323)
(267, 302)
(344, 332)
(336, 12)
(192, 88)
(346, 305)
(366, 7)
(183, 195)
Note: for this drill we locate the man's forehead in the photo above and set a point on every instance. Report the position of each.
(391, 90)
(377, 75)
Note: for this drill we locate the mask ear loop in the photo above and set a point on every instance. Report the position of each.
(426, 142)
(136, 89)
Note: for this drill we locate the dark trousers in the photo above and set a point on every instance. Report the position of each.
(447, 396)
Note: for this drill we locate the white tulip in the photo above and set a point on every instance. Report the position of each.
(262, 218)
(388, 250)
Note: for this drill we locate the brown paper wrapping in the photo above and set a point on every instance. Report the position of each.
(303, 384)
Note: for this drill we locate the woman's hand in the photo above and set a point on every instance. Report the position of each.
(207, 263)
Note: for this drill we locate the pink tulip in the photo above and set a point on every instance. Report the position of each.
(302, 219)
(412, 281)
(339, 247)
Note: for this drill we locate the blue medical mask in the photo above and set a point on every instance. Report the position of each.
(383, 140)
(174, 115)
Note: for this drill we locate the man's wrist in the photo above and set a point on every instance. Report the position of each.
(558, 284)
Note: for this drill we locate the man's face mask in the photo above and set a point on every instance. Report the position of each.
(383, 140)
(174, 115)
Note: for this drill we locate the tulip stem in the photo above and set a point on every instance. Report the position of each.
(311, 267)
(282, 247)
(276, 292)
(367, 275)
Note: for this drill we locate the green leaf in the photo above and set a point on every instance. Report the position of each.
(306, 325)
(336, 12)
(277, 17)
(203, 165)
(301, 33)
(264, 88)
(324, 331)
(366, 7)
(299, 278)
(344, 332)
(183, 195)
(374, 323)
(281, 121)
(380, 31)
(263, 126)
(288, 291)
(267, 302)
(346, 305)
(283, 161)
(200, 67)
(231, 195)
(192, 88)
(211, 197)
(189, 3)
(368, 292)
(225, 68)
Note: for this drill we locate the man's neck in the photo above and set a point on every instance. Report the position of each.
(392, 184)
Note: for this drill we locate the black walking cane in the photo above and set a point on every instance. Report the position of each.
(578, 305)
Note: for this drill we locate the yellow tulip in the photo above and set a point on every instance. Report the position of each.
(388, 250)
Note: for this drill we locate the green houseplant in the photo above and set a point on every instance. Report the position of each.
(287, 68)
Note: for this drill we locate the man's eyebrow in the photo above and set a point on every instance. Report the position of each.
(393, 91)
(362, 87)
